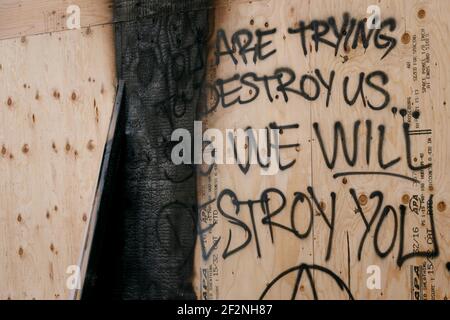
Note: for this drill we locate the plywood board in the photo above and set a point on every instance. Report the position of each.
(57, 94)
(28, 17)
(373, 224)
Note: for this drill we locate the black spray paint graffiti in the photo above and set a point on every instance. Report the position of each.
(284, 81)
(306, 268)
(241, 44)
(242, 40)
(253, 148)
(246, 47)
(310, 200)
(350, 27)
(351, 159)
(339, 137)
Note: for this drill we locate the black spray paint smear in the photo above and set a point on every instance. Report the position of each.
(161, 54)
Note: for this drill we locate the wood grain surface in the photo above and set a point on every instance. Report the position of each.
(379, 212)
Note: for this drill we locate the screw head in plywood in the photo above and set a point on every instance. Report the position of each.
(91, 145)
(405, 199)
(406, 38)
(25, 148)
(421, 13)
(363, 199)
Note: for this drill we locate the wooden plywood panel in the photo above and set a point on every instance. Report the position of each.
(57, 93)
(422, 108)
(28, 17)
(22, 18)
(407, 240)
